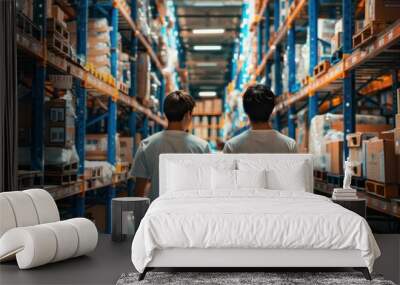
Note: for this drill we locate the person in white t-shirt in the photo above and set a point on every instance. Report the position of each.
(258, 103)
(178, 107)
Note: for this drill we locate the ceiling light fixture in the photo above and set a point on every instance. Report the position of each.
(207, 93)
(208, 31)
(203, 48)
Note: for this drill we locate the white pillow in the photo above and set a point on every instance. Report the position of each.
(282, 174)
(251, 179)
(183, 177)
(279, 180)
(223, 179)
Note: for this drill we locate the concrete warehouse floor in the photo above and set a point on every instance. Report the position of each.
(110, 260)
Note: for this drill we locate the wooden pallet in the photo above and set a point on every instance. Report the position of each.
(54, 178)
(29, 178)
(368, 33)
(59, 46)
(319, 175)
(26, 27)
(321, 68)
(56, 28)
(381, 189)
(336, 57)
(62, 167)
(93, 172)
(306, 80)
(335, 180)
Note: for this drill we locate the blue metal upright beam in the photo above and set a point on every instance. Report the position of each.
(277, 64)
(349, 87)
(313, 39)
(80, 124)
(266, 47)
(132, 91)
(291, 50)
(38, 93)
(112, 114)
(260, 36)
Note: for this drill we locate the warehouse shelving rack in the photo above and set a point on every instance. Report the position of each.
(87, 82)
(370, 69)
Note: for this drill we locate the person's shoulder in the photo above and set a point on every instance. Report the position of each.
(238, 138)
(196, 140)
(289, 141)
(151, 139)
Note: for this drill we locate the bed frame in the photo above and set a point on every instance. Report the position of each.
(246, 259)
(240, 259)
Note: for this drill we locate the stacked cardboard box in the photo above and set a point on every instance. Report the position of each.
(126, 149)
(382, 163)
(98, 43)
(143, 75)
(357, 150)
(60, 123)
(97, 147)
(334, 149)
(381, 11)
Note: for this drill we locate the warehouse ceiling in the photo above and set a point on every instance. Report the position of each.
(208, 70)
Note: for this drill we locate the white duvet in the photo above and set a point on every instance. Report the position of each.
(256, 218)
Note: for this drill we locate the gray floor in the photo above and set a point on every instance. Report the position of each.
(103, 266)
(110, 260)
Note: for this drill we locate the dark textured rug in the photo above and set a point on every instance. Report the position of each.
(230, 278)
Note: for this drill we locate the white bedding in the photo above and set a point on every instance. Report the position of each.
(252, 218)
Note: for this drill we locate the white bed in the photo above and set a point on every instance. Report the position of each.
(247, 210)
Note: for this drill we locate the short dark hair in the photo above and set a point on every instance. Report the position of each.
(258, 103)
(177, 104)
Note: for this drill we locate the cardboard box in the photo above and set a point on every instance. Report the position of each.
(336, 42)
(97, 147)
(126, 149)
(397, 121)
(60, 124)
(49, 7)
(208, 106)
(357, 156)
(365, 128)
(381, 10)
(334, 150)
(397, 141)
(57, 13)
(217, 107)
(355, 140)
(382, 164)
(143, 75)
(302, 140)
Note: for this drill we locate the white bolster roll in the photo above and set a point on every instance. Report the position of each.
(45, 205)
(34, 246)
(23, 207)
(87, 235)
(7, 218)
(67, 240)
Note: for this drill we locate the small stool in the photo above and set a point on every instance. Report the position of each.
(127, 212)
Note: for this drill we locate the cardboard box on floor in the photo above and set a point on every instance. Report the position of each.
(334, 150)
(382, 165)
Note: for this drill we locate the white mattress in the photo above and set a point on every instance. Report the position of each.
(256, 218)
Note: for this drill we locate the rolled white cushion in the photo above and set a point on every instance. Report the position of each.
(33, 246)
(87, 235)
(23, 208)
(7, 218)
(45, 205)
(66, 238)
